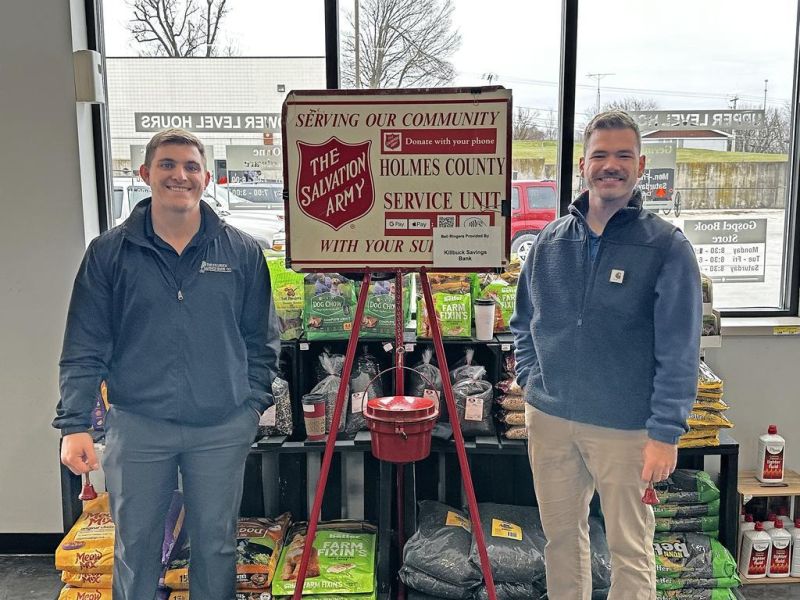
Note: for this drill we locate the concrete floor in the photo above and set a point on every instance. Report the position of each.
(35, 578)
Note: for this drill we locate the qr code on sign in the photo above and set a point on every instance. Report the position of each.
(446, 221)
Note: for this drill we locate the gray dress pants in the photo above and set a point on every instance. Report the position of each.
(142, 459)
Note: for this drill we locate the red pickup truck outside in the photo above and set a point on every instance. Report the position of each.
(533, 205)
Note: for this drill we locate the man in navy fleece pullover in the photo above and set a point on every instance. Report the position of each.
(607, 332)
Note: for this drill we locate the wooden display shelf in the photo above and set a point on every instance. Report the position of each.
(768, 580)
(750, 486)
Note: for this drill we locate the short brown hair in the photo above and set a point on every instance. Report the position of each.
(173, 136)
(612, 119)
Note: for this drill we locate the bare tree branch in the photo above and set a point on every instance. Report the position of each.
(523, 125)
(177, 28)
(402, 43)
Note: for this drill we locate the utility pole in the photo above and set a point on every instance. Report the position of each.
(766, 81)
(598, 77)
(733, 102)
(358, 45)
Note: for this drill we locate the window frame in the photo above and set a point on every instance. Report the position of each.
(790, 293)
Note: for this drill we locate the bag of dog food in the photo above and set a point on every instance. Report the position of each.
(330, 302)
(378, 319)
(342, 560)
(260, 595)
(288, 296)
(258, 545)
(76, 593)
(89, 545)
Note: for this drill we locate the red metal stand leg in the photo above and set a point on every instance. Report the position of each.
(331, 441)
(399, 390)
(466, 477)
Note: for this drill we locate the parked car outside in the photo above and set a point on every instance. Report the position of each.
(534, 203)
(248, 216)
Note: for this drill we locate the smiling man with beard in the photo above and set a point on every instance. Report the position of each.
(607, 332)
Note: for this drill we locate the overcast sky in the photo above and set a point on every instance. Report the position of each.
(685, 54)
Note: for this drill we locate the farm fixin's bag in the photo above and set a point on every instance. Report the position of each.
(89, 545)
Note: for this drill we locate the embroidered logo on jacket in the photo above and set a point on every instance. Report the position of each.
(208, 267)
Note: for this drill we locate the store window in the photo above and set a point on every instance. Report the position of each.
(711, 86)
(225, 81)
(456, 43)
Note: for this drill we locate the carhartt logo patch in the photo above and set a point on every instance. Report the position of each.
(616, 276)
(207, 267)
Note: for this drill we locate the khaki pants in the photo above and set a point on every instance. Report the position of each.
(569, 461)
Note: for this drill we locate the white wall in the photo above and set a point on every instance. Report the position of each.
(761, 375)
(41, 244)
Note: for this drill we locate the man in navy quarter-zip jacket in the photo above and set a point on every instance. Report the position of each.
(607, 333)
(173, 309)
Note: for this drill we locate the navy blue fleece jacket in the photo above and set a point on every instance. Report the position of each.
(612, 341)
(187, 338)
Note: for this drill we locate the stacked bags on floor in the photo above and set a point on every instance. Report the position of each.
(259, 543)
(707, 416)
(341, 564)
(511, 403)
(690, 562)
(85, 556)
(441, 560)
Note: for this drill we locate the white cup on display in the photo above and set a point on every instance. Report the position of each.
(484, 319)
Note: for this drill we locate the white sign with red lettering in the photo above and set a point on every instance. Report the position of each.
(376, 177)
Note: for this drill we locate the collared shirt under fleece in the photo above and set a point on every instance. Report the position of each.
(186, 338)
(613, 340)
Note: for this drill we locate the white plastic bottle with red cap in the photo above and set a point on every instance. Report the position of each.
(771, 448)
(795, 571)
(780, 560)
(747, 525)
(755, 554)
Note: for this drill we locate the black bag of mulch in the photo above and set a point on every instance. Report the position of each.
(473, 399)
(426, 382)
(329, 387)
(467, 368)
(514, 542)
(441, 546)
(601, 555)
(365, 370)
(334, 362)
(687, 486)
(277, 419)
(432, 586)
(513, 591)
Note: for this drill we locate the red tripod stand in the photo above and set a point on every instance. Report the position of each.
(399, 389)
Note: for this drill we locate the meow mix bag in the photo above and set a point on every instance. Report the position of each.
(89, 545)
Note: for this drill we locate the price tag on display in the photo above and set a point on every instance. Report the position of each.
(474, 409)
(357, 401)
(268, 419)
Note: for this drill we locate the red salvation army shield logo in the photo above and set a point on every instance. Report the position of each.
(334, 181)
